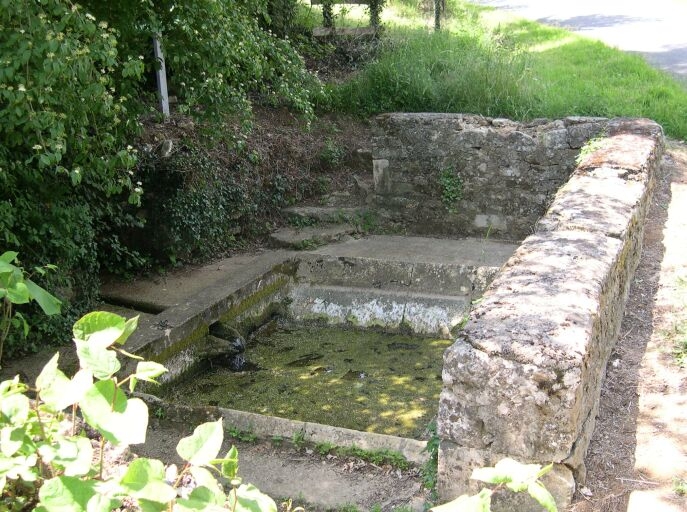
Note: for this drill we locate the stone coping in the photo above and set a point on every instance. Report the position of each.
(524, 376)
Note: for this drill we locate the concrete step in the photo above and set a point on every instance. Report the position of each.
(427, 314)
(309, 237)
(462, 267)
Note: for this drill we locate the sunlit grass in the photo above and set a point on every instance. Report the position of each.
(490, 63)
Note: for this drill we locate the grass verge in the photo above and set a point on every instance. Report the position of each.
(487, 64)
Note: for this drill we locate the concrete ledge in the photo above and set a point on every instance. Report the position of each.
(524, 377)
(267, 427)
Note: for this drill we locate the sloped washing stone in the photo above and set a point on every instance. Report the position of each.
(304, 238)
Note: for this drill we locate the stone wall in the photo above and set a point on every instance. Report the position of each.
(507, 171)
(524, 377)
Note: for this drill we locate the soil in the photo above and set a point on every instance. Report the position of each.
(638, 449)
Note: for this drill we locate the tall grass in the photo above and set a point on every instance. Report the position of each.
(516, 68)
(439, 72)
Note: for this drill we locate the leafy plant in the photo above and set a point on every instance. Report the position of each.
(47, 464)
(15, 289)
(508, 474)
(429, 469)
(451, 189)
(242, 435)
(298, 439)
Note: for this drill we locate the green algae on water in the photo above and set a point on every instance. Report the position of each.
(362, 380)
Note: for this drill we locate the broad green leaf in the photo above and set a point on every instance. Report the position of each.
(230, 464)
(14, 409)
(49, 304)
(20, 321)
(507, 471)
(250, 499)
(478, 503)
(106, 408)
(11, 440)
(63, 392)
(542, 495)
(201, 447)
(145, 479)
(75, 455)
(131, 425)
(152, 506)
(98, 359)
(201, 499)
(20, 466)
(129, 327)
(147, 371)
(100, 503)
(18, 293)
(48, 373)
(66, 494)
(206, 480)
(100, 328)
(8, 256)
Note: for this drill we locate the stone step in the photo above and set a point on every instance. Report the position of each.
(426, 314)
(307, 215)
(405, 276)
(311, 236)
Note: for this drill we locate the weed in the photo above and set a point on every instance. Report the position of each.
(298, 439)
(429, 469)
(246, 436)
(378, 457)
(332, 154)
(324, 448)
(590, 147)
(277, 440)
(366, 221)
(299, 221)
(680, 486)
(451, 189)
(160, 413)
(307, 244)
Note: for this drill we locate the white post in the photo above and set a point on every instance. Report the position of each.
(161, 75)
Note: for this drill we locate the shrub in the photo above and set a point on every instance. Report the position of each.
(63, 154)
(216, 53)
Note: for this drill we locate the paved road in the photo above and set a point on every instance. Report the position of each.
(656, 29)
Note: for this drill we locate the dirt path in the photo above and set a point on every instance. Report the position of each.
(638, 449)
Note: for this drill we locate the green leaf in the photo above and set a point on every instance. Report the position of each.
(18, 293)
(61, 392)
(15, 409)
(120, 421)
(250, 499)
(478, 503)
(148, 370)
(201, 447)
(542, 495)
(145, 479)
(11, 440)
(129, 327)
(98, 359)
(230, 464)
(515, 475)
(100, 328)
(201, 499)
(66, 494)
(8, 256)
(48, 303)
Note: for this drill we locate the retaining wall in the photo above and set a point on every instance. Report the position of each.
(524, 377)
(461, 175)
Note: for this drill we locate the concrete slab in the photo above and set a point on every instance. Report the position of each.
(301, 238)
(156, 294)
(464, 251)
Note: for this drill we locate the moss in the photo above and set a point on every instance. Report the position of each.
(368, 381)
(246, 304)
(166, 354)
